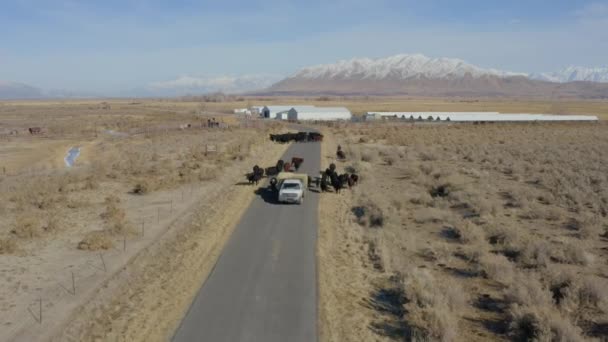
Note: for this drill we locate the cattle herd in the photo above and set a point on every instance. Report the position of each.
(328, 178)
(296, 137)
(281, 166)
(338, 182)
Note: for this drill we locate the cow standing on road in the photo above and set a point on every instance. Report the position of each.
(297, 162)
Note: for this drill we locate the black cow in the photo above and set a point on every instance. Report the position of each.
(296, 137)
(280, 165)
(324, 185)
(314, 136)
(331, 170)
(353, 180)
(340, 154)
(301, 137)
(256, 175)
(254, 178)
(336, 182)
(284, 138)
(271, 171)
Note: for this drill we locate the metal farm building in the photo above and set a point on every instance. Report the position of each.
(272, 112)
(319, 114)
(474, 117)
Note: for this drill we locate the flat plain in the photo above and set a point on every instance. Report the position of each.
(142, 176)
(455, 232)
(466, 233)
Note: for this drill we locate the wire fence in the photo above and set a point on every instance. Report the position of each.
(150, 219)
(87, 269)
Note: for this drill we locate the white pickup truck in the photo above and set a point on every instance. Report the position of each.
(291, 191)
(291, 187)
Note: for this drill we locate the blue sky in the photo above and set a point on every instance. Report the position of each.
(102, 46)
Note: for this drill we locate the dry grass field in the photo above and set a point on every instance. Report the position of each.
(455, 232)
(65, 231)
(360, 105)
(467, 233)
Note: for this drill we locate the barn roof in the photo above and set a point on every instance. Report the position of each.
(284, 108)
(323, 109)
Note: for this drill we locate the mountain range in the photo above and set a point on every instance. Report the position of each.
(419, 75)
(180, 86)
(404, 74)
(193, 85)
(406, 66)
(14, 90)
(398, 67)
(573, 74)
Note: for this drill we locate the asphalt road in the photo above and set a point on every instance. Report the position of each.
(264, 285)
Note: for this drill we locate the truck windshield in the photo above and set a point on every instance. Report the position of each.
(291, 186)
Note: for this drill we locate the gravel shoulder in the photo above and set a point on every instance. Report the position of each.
(344, 268)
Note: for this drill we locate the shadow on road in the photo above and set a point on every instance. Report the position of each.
(243, 183)
(267, 195)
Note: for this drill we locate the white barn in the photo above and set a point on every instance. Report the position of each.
(319, 114)
(242, 111)
(256, 110)
(271, 112)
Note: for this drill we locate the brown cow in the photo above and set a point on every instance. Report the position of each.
(296, 162)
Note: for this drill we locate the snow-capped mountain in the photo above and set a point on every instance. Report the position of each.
(403, 66)
(572, 74)
(188, 85)
(418, 75)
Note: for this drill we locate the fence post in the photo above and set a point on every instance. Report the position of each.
(103, 262)
(73, 284)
